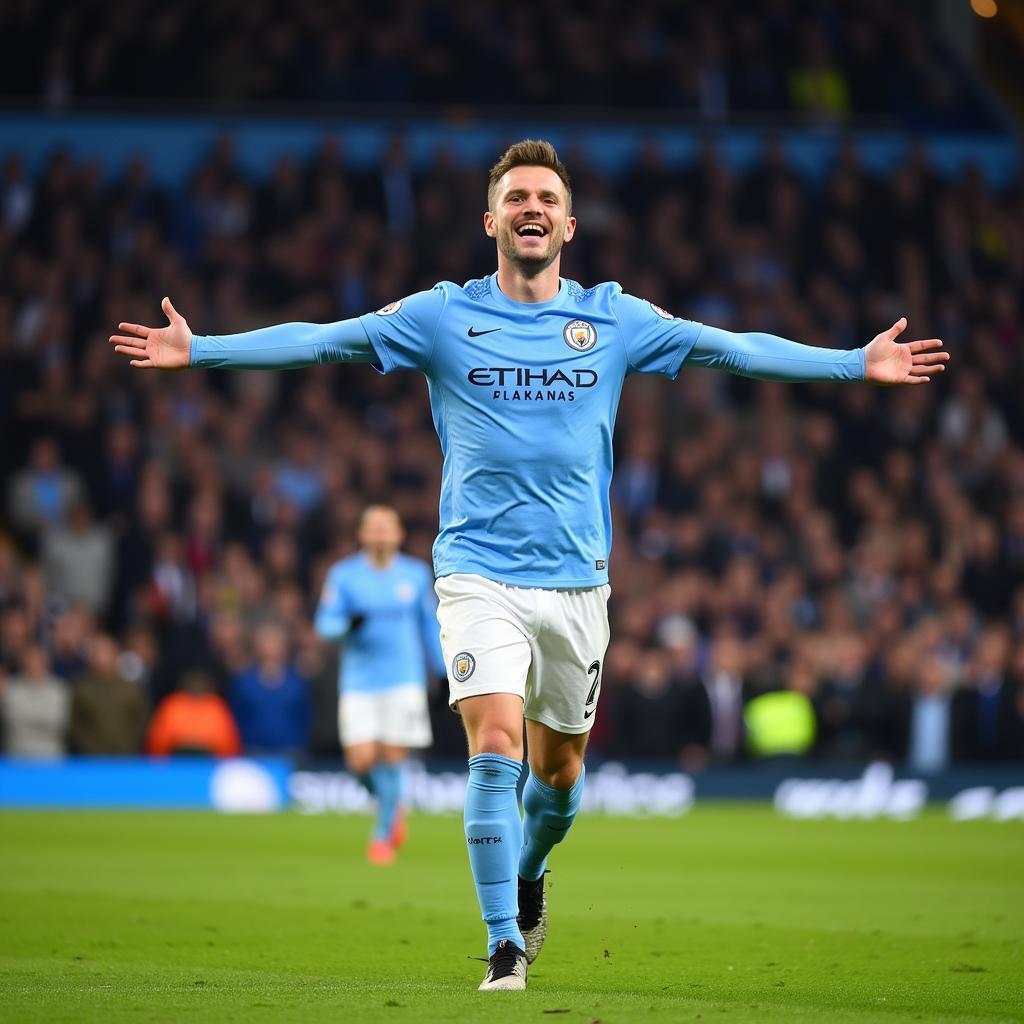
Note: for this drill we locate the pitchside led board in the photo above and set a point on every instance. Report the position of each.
(233, 785)
(242, 785)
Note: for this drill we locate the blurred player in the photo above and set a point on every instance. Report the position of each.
(525, 371)
(381, 604)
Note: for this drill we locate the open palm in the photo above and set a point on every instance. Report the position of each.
(887, 361)
(162, 348)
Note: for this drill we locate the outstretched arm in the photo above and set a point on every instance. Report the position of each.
(334, 618)
(282, 347)
(766, 357)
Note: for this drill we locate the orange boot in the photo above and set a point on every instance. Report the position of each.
(380, 851)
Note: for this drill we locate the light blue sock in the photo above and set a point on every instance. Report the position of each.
(548, 815)
(494, 835)
(387, 788)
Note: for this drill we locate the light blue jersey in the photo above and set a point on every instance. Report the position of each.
(524, 397)
(387, 619)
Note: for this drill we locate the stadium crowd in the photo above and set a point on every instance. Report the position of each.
(163, 536)
(823, 59)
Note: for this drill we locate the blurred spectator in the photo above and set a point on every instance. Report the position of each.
(140, 659)
(930, 742)
(841, 698)
(116, 478)
(170, 593)
(270, 700)
(299, 479)
(41, 494)
(108, 713)
(147, 520)
(649, 711)
(35, 707)
(971, 425)
(227, 648)
(69, 642)
(719, 703)
(990, 701)
(78, 558)
(193, 720)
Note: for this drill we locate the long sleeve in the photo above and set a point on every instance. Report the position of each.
(767, 357)
(333, 617)
(286, 346)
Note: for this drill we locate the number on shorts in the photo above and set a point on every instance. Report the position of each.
(595, 671)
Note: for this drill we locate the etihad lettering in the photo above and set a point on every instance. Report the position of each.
(524, 377)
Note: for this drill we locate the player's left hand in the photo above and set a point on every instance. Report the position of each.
(887, 361)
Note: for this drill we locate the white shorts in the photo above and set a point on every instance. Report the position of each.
(546, 646)
(397, 716)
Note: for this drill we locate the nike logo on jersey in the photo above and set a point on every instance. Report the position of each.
(587, 714)
(477, 334)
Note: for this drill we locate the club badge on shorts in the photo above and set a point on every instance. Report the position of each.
(580, 335)
(463, 665)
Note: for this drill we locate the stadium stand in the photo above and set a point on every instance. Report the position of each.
(862, 548)
(823, 61)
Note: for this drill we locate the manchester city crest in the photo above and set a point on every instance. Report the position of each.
(463, 665)
(580, 335)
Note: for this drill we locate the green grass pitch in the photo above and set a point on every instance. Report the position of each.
(729, 914)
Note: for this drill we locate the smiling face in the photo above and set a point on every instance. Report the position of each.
(529, 218)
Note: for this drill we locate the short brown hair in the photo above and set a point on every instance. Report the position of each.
(527, 153)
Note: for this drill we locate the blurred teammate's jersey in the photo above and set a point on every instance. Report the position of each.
(524, 397)
(396, 638)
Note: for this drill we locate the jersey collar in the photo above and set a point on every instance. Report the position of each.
(501, 299)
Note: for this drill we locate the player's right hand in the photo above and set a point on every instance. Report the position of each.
(161, 348)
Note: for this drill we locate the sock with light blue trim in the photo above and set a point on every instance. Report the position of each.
(494, 836)
(387, 788)
(548, 814)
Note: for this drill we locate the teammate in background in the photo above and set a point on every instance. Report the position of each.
(525, 371)
(381, 604)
